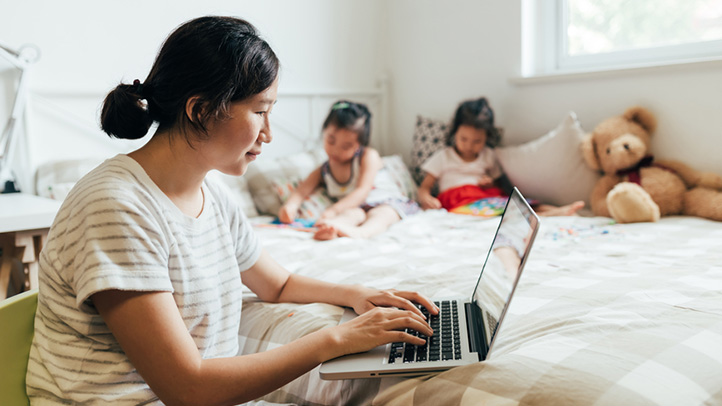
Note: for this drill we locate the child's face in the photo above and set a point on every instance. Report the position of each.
(469, 142)
(340, 144)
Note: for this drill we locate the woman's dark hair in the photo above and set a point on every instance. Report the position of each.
(478, 114)
(219, 60)
(351, 116)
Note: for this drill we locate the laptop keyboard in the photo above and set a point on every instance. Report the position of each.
(444, 345)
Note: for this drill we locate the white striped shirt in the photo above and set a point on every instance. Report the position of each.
(117, 230)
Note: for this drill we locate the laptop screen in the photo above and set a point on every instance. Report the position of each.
(504, 263)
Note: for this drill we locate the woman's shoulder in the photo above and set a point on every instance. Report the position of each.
(115, 183)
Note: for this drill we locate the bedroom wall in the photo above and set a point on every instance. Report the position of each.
(440, 53)
(435, 54)
(89, 46)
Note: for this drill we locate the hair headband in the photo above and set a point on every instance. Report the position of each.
(340, 106)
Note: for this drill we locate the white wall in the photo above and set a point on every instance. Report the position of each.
(436, 53)
(441, 53)
(89, 46)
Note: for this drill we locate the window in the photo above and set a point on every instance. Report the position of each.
(584, 35)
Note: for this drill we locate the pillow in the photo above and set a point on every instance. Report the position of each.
(312, 207)
(262, 173)
(238, 188)
(429, 136)
(55, 179)
(400, 174)
(551, 168)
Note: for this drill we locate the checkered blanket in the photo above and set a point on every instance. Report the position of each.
(604, 314)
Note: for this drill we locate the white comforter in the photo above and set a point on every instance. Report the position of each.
(604, 313)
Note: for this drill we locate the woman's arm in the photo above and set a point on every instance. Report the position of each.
(371, 163)
(425, 198)
(151, 332)
(288, 211)
(273, 283)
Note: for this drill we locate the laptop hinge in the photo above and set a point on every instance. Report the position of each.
(474, 327)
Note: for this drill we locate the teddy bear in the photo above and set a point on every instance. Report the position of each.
(634, 186)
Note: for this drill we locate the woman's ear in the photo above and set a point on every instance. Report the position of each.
(194, 109)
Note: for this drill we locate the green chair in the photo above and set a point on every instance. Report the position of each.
(17, 320)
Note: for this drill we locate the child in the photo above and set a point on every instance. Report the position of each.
(366, 201)
(142, 275)
(467, 171)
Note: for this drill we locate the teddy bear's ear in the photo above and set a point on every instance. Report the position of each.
(643, 117)
(589, 152)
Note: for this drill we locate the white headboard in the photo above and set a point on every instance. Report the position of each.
(297, 117)
(64, 124)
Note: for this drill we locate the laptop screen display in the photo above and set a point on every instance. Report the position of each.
(504, 263)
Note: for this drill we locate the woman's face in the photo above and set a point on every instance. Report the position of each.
(469, 142)
(340, 144)
(236, 142)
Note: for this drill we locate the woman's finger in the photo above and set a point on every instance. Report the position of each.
(417, 297)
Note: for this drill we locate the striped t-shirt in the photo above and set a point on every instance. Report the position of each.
(117, 230)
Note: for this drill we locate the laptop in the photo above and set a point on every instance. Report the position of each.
(466, 328)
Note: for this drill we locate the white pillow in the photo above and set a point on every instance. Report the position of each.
(551, 168)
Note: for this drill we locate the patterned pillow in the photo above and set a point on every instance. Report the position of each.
(238, 188)
(400, 174)
(312, 206)
(429, 136)
(263, 172)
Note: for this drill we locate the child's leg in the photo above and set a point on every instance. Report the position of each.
(327, 229)
(377, 221)
(568, 210)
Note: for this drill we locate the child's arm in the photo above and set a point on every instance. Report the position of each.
(370, 164)
(425, 198)
(287, 213)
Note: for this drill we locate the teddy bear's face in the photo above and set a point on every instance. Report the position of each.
(619, 144)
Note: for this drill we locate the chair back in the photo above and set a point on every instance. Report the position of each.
(17, 324)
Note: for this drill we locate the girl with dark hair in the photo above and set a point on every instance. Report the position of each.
(141, 278)
(467, 169)
(366, 200)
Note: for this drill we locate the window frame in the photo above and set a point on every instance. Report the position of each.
(544, 25)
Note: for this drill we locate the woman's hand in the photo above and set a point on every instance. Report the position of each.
(377, 327)
(287, 213)
(367, 299)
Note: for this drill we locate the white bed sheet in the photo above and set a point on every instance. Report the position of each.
(604, 313)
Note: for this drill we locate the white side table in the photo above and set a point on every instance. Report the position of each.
(24, 223)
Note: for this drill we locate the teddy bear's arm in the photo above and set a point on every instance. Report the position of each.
(692, 177)
(598, 199)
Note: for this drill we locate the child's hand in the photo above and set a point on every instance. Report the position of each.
(485, 181)
(287, 213)
(429, 202)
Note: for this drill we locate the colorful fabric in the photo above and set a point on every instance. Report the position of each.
(466, 194)
(489, 207)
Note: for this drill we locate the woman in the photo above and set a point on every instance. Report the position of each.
(141, 278)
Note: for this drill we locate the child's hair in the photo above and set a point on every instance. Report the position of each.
(219, 60)
(478, 114)
(351, 116)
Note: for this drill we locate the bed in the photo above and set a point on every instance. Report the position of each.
(604, 313)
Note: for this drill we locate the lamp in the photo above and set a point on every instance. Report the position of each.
(20, 59)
